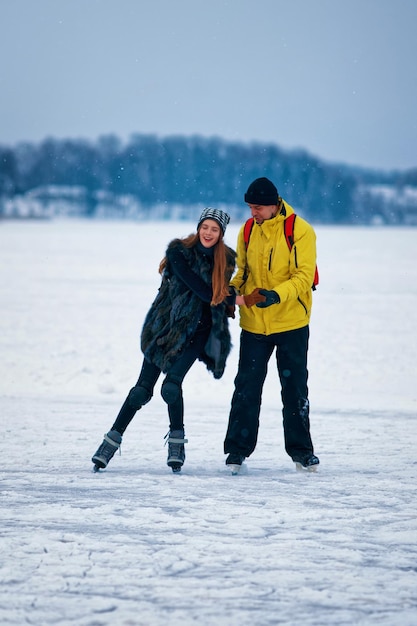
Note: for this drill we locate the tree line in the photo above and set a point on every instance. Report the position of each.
(185, 171)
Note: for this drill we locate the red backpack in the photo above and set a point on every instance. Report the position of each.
(289, 238)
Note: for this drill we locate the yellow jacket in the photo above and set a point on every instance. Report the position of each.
(271, 265)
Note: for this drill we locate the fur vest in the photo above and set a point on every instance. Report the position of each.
(174, 315)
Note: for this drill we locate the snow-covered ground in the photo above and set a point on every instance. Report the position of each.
(138, 545)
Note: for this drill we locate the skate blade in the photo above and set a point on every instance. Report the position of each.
(301, 468)
(175, 466)
(99, 462)
(235, 469)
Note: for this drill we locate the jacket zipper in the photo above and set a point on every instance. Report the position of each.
(296, 265)
(270, 259)
(302, 304)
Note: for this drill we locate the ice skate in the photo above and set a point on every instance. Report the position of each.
(176, 450)
(234, 463)
(308, 463)
(106, 451)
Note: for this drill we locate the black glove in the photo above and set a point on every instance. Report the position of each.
(230, 301)
(231, 298)
(271, 297)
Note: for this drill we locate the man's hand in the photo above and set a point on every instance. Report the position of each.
(254, 298)
(269, 297)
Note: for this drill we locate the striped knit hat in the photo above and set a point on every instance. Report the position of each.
(218, 216)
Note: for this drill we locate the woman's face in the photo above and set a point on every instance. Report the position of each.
(209, 233)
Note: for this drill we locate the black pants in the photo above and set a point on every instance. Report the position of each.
(255, 352)
(171, 389)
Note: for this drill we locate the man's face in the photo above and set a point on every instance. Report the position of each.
(261, 212)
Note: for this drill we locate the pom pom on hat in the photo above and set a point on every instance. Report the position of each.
(217, 215)
(262, 191)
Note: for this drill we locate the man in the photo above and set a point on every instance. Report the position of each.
(274, 292)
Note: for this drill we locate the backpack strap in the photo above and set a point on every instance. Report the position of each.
(289, 238)
(247, 231)
(289, 230)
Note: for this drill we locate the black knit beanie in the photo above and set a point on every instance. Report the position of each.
(262, 191)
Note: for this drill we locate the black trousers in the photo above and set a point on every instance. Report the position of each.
(172, 384)
(255, 352)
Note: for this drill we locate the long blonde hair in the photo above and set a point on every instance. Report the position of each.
(219, 282)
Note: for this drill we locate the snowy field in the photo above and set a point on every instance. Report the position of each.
(138, 545)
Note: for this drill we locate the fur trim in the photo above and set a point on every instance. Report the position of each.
(174, 315)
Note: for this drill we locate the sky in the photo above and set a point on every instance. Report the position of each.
(138, 545)
(332, 77)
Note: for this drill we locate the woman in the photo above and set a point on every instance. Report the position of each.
(187, 321)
